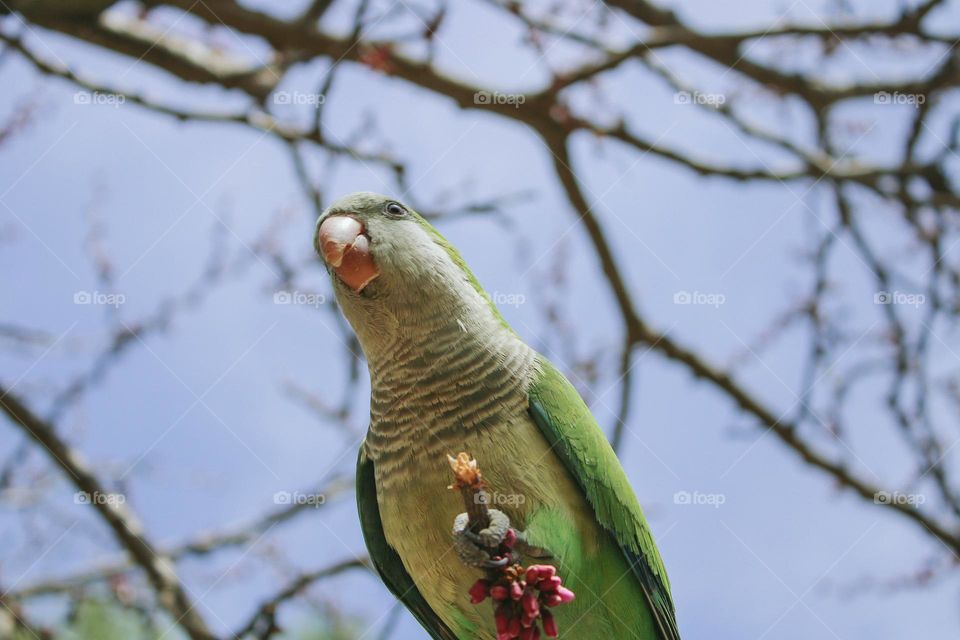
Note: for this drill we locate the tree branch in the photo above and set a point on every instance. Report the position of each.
(126, 528)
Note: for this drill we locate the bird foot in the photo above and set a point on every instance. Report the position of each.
(494, 546)
(482, 548)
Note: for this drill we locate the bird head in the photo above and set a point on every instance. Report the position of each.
(376, 247)
(391, 269)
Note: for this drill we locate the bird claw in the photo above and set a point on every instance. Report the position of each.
(479, 549)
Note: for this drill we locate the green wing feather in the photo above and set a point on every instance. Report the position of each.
(572, 431)
(385, 558)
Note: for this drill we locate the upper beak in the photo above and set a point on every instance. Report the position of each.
(346, 248)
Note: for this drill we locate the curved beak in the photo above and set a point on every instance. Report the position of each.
(346, 249)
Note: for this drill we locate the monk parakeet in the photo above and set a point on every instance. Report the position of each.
(447, 374)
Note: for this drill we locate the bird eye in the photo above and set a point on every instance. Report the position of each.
(394, 209)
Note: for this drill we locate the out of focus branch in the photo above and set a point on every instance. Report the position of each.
(912, 187)
(200, 545)
(263, 624)
(126, 528)
(640, 333)
(188, 60)
(256, 119)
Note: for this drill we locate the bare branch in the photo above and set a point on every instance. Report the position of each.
(125, 526)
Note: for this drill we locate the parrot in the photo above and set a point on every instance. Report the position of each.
(448, 374)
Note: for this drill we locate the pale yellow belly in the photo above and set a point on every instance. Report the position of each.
(417, 510)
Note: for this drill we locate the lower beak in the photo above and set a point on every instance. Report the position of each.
(346, 249)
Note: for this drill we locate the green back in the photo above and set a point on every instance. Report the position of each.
(385, 559)
(575, 437)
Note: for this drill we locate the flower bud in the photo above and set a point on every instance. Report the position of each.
(552, 599)
(565, 594)
(546, 570)
(530, 604)
(479, 591)
(530, 633)
(502, 620)
(526, 620)
(549, 624)
(550, 584)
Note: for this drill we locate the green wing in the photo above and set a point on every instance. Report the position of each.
(572, 432)
(386, 560)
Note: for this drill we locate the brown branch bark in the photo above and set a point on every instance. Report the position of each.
(639, 332)
(126, 528)
(546, 113)
(263, 625)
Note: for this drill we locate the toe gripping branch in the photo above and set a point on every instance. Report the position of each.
(484, 538)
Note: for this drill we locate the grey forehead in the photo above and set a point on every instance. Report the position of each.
(360, 201)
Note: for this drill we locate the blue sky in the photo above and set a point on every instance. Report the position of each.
(196, 419)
